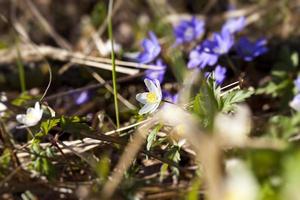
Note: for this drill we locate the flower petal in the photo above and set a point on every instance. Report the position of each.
(150, 85)
(155, 106)
(142, 97)
(37, 106)
(158, 89)
(148, 108)
(21, 118)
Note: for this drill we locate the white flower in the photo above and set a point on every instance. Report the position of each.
(234, 128)
(240, 184)
(152, 98)
(32, 116)
(105, 47)
(3, 107)
(295, 103)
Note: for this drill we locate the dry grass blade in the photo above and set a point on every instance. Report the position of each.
(60, 41)
(126, 159)
(110, 89)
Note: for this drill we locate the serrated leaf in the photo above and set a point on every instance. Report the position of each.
(230, 99)
(23, 98)
(46, 126)
(205, 104)
(73, 125)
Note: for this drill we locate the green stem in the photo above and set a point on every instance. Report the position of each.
(232, 66)
(21, 71)
(110, 34)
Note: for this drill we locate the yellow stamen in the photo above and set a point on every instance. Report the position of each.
(151, 97)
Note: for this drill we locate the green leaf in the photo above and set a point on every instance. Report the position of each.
(205, 104)
(291, 176)
(193, 193)
(276, 89)
(230, 99)
(22, 99)
(5, 158)
(73, 125)
(267, 192)
(152, 136)
(46, 126)
(102, 168)
(284, 126)
(163, 171)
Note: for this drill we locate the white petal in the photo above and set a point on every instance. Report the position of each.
(295, 104)
(150, 85)
(3, 107)
(147, 108)
(37, 106)
(154, 107)
(181, 142)
(20, 127)
(21, 118)
(30, 110)
(142, 97)
(158, 89)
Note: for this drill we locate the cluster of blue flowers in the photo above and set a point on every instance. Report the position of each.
(208, 52)
(150, 55)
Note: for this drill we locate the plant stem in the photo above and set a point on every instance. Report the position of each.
(231, 65)
(21, 71)
(110, 34)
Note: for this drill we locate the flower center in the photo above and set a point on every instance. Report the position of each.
(31, 117)
(189, 33)
(151, 97)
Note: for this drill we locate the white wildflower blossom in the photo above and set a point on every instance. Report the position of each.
(3, 107)
(295, 103)
(234, 128)
(240, 182)
(32, 116)
(105, 47)
(152, 98)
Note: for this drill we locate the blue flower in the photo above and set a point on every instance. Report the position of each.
(209, 51)
(151, 49)
(295, 103)
(170, 97)
(297, 83)
(156, 74)
(249, 50)
(81, 98)
(189, 30)
(234, 25)
(200, 58)
(220, 74)
(222, 42)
